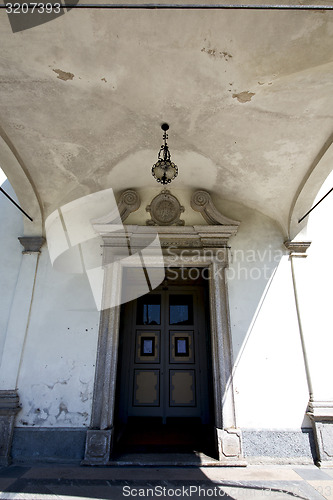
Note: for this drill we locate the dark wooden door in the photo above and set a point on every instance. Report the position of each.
(163, 361)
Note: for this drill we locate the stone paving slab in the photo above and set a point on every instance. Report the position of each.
(252, 473)
(33, 490)
(5, 483)
(328, 471)
(325, 488)
(54, 482)
(13, 471)
(313, 474)
(240, 494)
(211, 473)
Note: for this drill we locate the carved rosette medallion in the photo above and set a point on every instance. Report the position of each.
(165, 210)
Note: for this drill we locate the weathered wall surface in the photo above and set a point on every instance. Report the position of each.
(57, 372)
(56, 375)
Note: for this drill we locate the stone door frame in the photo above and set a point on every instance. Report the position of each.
(205, 247)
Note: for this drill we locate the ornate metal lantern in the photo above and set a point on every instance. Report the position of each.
(164, 169)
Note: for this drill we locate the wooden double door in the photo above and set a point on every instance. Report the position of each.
(163, 361)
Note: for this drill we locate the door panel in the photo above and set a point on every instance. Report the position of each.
(181, 346)
(164, 360)
(146, 388)
(182, 388)
(147, 347)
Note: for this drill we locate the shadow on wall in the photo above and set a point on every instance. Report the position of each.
(269, 371)
(268, 360)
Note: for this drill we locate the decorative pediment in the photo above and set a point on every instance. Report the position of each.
(165, 210)
(166, 231)
(201, 201)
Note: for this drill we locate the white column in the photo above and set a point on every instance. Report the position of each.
(297, 251)
(16, 333)
(315, 337)
(20, 313)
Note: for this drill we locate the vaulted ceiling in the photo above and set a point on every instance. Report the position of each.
(248, 95)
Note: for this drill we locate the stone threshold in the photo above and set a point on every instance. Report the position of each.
(173, 460)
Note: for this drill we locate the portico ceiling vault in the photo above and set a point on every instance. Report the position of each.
(248, 96)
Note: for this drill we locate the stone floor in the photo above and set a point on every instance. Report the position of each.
(51, 482)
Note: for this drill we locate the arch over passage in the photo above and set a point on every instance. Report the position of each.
(13, 167)
(309, 188)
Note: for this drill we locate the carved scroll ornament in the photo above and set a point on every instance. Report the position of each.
(129, 202)
(201, 201)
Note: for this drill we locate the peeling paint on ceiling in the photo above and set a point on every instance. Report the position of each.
(135, 74)
(64, 75)
(245, 96)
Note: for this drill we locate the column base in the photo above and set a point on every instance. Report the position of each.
(9, 407)
(321, 415)
(98, 447)
(229, 445)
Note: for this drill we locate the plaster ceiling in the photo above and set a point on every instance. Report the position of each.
(247, 94)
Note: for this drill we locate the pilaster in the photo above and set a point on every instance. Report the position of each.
(20, 312)
(320, 412)
(14, 342)
(297, 251)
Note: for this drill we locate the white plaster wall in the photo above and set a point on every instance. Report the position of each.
(57, 373)
(314, 281)
(11, 227)
(269, 375)
(57, 370)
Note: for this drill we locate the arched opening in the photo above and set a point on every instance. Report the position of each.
(24, 188)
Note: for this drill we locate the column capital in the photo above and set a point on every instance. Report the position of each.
(320, 410)
(297, 248)
(32, 244)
